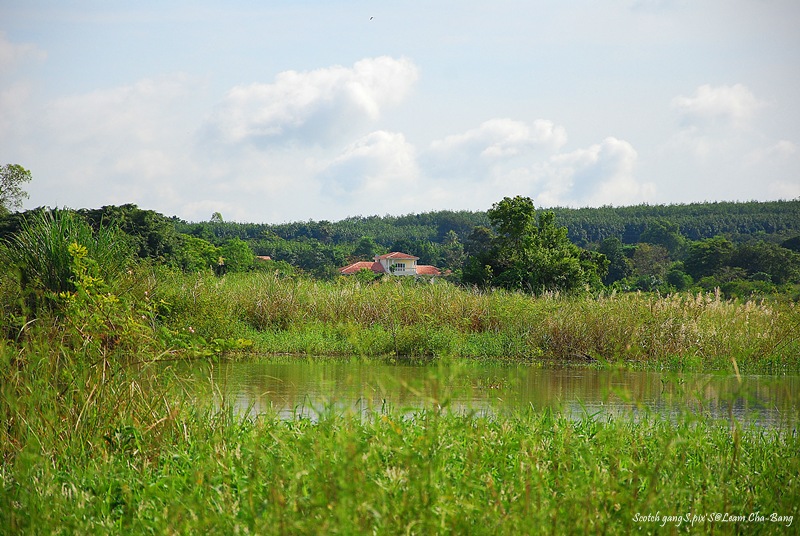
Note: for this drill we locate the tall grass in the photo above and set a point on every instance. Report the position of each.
(93, 440)
(422, 319)
(39, 254)
(135, 453)
(40, 249)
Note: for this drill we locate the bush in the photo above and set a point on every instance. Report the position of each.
(679, 280)
(39, 253)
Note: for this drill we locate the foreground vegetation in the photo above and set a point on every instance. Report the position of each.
(87, 291)
(94, 439)
(116, 448)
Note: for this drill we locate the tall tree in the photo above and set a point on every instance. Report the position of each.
(781, 264)
(237, 255)
(452, 251)
(619, 266)
(479, 257)
(792, 243)
(530, 252)
(650, 260)
(664, 233)
(154, 233)
(12, 176)
(366, 248)
(195, 254)
(707, 256)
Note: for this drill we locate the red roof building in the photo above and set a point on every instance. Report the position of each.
(394, 263)
(361, 265)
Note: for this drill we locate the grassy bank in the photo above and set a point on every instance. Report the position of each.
(118, 449)
(406, 318)
(91, 294)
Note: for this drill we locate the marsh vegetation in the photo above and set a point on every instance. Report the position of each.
(98, 435)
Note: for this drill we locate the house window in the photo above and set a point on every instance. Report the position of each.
(400, 266)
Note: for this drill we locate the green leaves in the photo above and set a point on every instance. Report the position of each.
(11, 193)
(513, 219)
(40, 251)
(529, 252)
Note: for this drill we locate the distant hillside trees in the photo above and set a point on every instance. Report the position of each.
(707, 256)
(742, 248)
(620, 266)
(154, 234)
(696, 221)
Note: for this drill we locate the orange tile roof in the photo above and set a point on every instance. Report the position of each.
(397, 255)
(424, 269)
(357, 266)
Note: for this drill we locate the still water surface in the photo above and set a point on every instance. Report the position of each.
(308, 388)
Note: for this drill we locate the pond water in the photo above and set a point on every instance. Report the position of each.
(309, 387)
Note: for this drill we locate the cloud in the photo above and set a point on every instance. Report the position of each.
(492, 144)
(117, 145)
(499, 138)
(14, 100)
(781, 150)
(784, 189)
(15, 92)
(776, 167)
(134, 114)
(717, 127)
(508, 157)
(728, 105)
(725, 147)
(378, 163)
(650, 4)
(11, 53)
(312, 106)
(602, 174)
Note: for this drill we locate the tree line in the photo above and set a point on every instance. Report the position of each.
(742, 248)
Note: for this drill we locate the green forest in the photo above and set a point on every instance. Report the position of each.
(744, 249)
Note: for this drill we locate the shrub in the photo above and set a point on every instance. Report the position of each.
(39, 253)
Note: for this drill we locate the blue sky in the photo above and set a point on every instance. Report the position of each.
(296, 110)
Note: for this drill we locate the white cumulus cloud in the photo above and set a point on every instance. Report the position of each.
(734, 105)
(132, 114)
(498, 138)
(509, 157)
(602, 174)
(312, 106)
(116, 145)
(780, 150)
(379, 163)
(492, 148)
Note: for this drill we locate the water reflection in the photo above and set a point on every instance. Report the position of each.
(309, 387)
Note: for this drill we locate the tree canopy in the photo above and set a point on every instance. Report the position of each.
(12, 176)
(528, 251)
(513, 245)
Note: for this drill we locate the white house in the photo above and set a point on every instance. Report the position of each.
(394, 263)
(397, 263)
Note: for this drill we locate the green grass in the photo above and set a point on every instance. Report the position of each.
(40, 250)
(138, 454)
(93, 440)
(682, 331)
